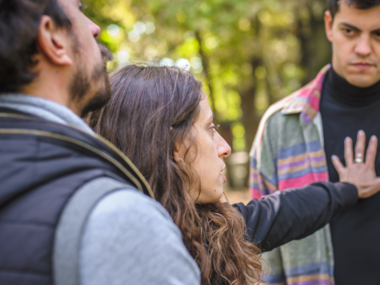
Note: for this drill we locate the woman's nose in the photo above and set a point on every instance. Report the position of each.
(224, 149)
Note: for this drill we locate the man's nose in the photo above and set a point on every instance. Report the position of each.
(94, 28)
(363, 47)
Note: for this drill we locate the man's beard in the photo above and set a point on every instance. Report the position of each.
(81, 84)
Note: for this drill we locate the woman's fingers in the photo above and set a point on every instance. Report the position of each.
(348, 156)
(338, 165)
(360, 147)
(371, 152)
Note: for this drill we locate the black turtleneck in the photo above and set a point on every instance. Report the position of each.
(346, 109)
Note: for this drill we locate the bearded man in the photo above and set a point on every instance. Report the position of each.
(73, 209)
(298, 136)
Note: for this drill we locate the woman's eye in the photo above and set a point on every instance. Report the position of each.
(214, 128)
(82, 7)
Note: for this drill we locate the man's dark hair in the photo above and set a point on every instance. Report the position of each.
(19, 22)
(333, 5)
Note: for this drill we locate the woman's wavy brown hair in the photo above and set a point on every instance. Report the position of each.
(152, 109)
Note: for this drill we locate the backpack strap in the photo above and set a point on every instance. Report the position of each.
(69, 232)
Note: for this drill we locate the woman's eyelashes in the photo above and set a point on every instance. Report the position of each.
(82, 7)
(213, 129)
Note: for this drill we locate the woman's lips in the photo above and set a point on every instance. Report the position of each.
(224, 178)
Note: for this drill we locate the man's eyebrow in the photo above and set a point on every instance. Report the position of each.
(349, 26)
(211, 118)
(357, 29)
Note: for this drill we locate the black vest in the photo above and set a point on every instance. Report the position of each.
(42, 164)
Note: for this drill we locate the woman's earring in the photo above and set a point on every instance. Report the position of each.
(184, 164)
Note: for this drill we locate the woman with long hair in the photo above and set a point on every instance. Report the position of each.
(160, 118)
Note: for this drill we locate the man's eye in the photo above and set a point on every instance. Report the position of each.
(377, 34)
(348, 32)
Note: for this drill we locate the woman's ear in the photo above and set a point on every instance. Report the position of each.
(177, 154)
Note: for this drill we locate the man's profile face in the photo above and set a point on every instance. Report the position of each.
(355, 38)
(89, 87)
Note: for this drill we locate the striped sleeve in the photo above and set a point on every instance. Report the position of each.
(263, 176)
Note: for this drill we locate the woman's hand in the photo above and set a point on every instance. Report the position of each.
(359, 172)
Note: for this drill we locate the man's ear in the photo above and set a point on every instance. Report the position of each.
(328, 25)
(53, 42)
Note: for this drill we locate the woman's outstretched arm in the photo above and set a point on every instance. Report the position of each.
(296, 213)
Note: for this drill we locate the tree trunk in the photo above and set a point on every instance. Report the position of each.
(206, 69)
(315, 48)
(248, 94)
(249, 118)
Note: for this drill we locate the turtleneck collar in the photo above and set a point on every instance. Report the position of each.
(348, 94)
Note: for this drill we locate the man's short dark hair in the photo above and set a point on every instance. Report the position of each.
(333, 5)
(19, 22)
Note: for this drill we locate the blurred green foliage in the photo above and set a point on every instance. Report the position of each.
(249, 54)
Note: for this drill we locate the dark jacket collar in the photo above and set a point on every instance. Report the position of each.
(28, 145)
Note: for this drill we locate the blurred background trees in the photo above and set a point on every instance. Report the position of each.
(248, 53)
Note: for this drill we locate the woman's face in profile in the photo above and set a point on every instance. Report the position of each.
(209, 152)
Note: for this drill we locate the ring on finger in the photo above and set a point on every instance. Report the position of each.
(359, 158)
